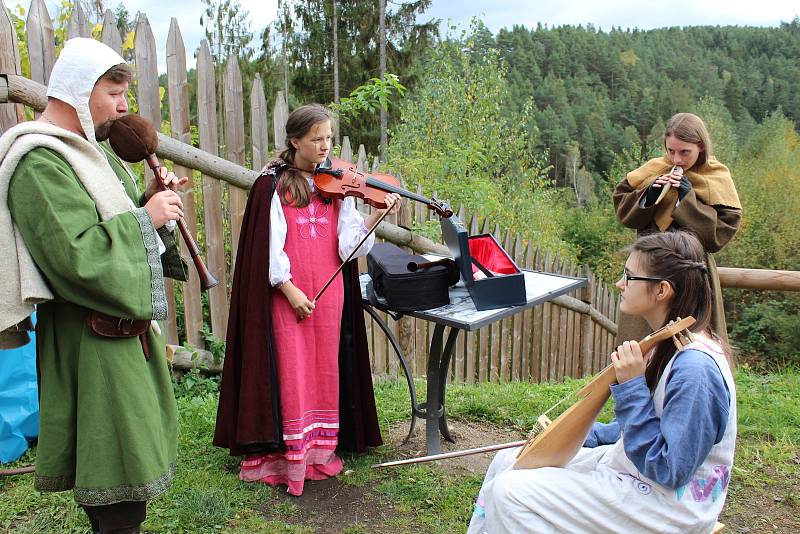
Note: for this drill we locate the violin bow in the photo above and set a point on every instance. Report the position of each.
(350, 256)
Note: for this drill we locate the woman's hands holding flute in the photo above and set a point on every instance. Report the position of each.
(671, 179)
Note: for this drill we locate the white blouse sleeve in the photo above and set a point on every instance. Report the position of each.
(352, 230)
(279, 266)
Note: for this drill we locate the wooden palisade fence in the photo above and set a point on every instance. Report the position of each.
(570, 337)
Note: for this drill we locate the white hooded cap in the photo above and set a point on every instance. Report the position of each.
(81, 63)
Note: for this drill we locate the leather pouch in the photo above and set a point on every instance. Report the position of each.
(109, 326)
(117, 327)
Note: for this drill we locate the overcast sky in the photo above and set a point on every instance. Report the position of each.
(496, 14)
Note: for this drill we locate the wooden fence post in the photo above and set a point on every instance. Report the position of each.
(149, 99)
(234, 141)
(41, 42)
(517, 321)
(212, 191)
(279, 115)
(347, 150)
(587, 296)
(362, 158)
(10, 114)
(78, 24)
(178, 95)
(259, 133)
(111, 36)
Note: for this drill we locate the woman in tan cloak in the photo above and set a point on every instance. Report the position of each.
(685, 189)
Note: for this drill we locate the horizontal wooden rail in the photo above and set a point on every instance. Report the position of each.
(573, 304)
(732, 277)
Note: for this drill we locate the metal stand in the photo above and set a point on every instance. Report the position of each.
(406, 371)
(433, 411)
(460, 314)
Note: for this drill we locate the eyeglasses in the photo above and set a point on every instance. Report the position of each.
(626, 277)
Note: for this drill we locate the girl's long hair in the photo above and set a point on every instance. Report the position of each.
(679, 258)
(293, 189)
(690, 128)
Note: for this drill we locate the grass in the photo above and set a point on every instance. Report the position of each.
(207, 496)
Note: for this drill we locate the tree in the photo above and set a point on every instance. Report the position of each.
(336, 63)
(456, 137)
(227, 30)
(307, 27)
(382, 73)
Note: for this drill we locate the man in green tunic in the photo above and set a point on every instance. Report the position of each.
(108, 427)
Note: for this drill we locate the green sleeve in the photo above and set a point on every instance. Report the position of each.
(172, 264)
(110, 266)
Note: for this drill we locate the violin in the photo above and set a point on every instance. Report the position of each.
(337, 178)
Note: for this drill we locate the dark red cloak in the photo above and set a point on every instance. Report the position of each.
(248, 416)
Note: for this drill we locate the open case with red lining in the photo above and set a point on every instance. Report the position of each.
(490, 275)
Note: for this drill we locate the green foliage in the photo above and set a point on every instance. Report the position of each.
(764, 325)
(723, 130)
(194, 383)
(455, 138)
(17, 16)
(370, 97)
(598, 239)
(596, 88)
(768, 333)
(767, 177)
(213, 344)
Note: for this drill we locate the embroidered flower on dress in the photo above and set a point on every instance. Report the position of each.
(313, 221)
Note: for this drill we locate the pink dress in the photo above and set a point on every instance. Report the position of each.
(307, 355)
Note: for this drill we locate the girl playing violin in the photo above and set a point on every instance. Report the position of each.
(664, 463)
(296, 381)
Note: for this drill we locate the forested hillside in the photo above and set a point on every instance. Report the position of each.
(489, 113)
(606, 90)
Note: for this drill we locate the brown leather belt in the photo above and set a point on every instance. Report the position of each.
(109, 326)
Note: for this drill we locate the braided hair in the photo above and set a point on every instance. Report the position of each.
(678, 258)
